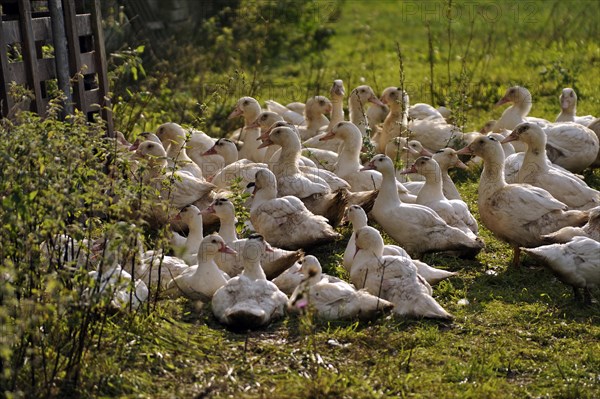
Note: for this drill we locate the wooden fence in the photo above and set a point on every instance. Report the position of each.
(29, 56)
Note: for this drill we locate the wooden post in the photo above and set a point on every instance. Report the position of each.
(61, 55)
(74, 53)
(101, 68)
(30, 54)
(4, 83)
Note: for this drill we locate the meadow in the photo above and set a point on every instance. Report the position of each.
(517, 332)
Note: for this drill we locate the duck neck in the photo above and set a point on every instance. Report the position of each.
(289, 159)
(206, 265)
(432, 189)
(263, 195)
(349, 156)
(492, 176)
(337, 111)
(230, 156)
(253, 270)
(388, 191)
(397, 115)
(251, 113)
(227, 228)
(195, 235)
(358, 223)
(534, 160)
(448, 186)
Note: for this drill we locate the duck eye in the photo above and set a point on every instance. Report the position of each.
(245, 103)
(213, 241)
(321, 103)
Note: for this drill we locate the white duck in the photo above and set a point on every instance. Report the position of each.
(285, 222)
(590, 230)
(396, 122)
(157, 269)
(294, 116)
(233, 169)
(249, 108)
(574, 263)
(392, 278)
(348, 164)
(454, 212)
(434, 134)
(202, 280)
(518, 214)
(571, 191)
(447, 158)
(274, 260)
(186, 248)
(568, 109)
(404, 151)
(184, 188)
(517, 113)
(424, 111)
(357, 103)
(117, 284)
(174, 141)
(249, 300)
(358, 217)
(333, 300)
(315, 109)
(376, 114)
(417, 228)
(571, 145)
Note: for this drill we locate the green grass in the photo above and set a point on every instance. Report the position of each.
(520, 335)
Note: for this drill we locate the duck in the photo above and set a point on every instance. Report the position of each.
(571, 145)
(358, 218)
(186, 248)
(294, 116)
(571, 191)
(396, 122)
(417, 228)
(286, 222)
(348, 164)
(454, 212)
(424, 111)
(333, 300)
(174, 140)
(315, 109)
(568, 109)
(517, 113)
(590, 230)
(124, 292)
(249, 108)
(595, 127)
(158, 269)
(392, 278)
(404, 151)
(249, 301)
(233, 169)
(518, 214)
(357, 103)
(447, 158)
(376, 114)
(434, 134)
(201, 281)
(274, 260)
(575, 263)
(336, 93)
(322, 192)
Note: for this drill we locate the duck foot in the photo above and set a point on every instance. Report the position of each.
(576, 294)
(516, 262)
(587, 297)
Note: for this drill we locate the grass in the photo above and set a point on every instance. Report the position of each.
(519, 335)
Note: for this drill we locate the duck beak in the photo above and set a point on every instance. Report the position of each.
(211, 151)
(509, 138)
(465, 151)
(329, 108)
(426, 153)
(268, 247)
(235, 113)
(208, 211)
(328, 136)
(227, 250)
(503, 100)
(253, 125)
(369, 166)
(135, 144)
(265, 143)
(375, 100)
(407, 171)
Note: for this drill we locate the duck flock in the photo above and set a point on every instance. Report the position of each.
(305, 169)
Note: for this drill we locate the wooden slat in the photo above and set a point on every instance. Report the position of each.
(46, 69)
(11, 32)
(16, 73)
(41, 28)
(101, 67)
(93, 97)
(84, 24)
(30, 54)
(74, 53)
(89, 59)
(4, 71)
